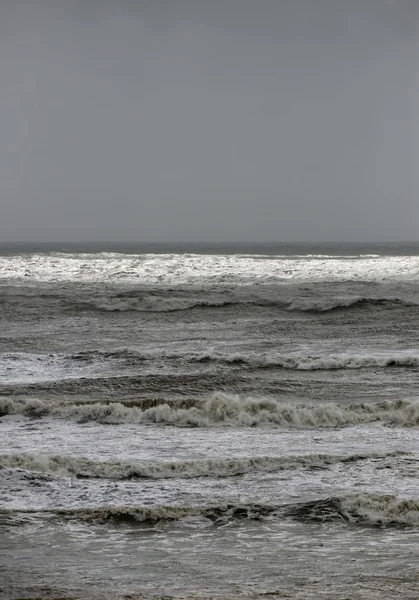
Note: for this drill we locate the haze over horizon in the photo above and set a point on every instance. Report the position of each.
(187, 121)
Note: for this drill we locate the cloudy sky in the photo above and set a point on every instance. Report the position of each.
(209, 120)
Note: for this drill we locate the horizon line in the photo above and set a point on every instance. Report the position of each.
(206, 243)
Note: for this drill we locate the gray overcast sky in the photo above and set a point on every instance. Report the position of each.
(209, 120)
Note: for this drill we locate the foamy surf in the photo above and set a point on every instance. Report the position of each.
(95, 363)
(306, 362)
(371, 510)
(311, 340)
(230, 467)
(363, 509)
(147, 268)
(263, 360)
(224, 410)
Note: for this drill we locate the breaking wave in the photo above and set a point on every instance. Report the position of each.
(223, 410)
(365, 509)
(86, 468)
(129, 302)
(23, 372)
(327, 305)
(151, 304)
(261, 360)
(362, 509)
(300, 362)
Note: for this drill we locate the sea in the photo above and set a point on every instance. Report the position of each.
(231, 421)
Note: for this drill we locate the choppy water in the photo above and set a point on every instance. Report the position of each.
(227, 422)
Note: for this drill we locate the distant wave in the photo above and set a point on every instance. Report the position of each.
(332, 304)
(263, 360)
(176, 268)
(171, 303)
(300, 362)
(229, 467)
(82, 368)
(225, 410)
(150, 304)
(362, 509)
(183, 299)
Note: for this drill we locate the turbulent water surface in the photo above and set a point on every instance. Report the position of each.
(221, 422)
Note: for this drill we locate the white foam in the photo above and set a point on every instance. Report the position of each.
(21, 368)
(226, 410)
(178, 269)
(376, 509)
(332, 303)
(304, 362)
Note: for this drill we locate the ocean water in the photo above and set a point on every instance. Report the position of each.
(209, 421)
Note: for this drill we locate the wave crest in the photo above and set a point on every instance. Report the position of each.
(369, 510)
(224, 410)
(265, 360)
(300, 362)
(86, 468)
(171, 302)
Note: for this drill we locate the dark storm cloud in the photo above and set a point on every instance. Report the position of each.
(190, 120)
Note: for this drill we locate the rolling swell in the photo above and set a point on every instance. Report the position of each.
(223, 410)
(255, 360)
(364, 509)
(128, 302)
(86, 468)
(327, 305)
(149, 387)
(301, 362)
(357, 509)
